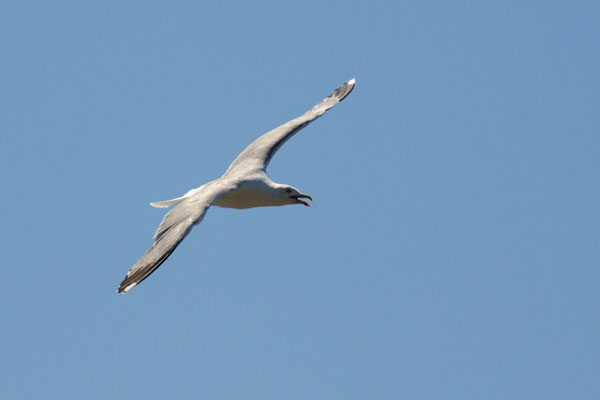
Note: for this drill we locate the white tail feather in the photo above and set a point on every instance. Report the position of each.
(169, 203)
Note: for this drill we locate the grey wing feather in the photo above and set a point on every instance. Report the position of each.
(172, 230)
(258, 154)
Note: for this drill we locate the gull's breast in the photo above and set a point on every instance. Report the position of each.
(250, 194)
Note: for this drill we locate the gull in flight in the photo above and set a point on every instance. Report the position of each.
(245, 184)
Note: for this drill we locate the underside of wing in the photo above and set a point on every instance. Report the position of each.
(174, 227)
(156, 255)
(258, 154)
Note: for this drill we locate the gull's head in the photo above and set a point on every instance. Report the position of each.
(291, 195)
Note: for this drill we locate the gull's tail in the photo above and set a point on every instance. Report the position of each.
(169, 203)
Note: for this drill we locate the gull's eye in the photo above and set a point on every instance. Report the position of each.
(288, 190)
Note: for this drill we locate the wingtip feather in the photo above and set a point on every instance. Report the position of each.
(127, 288)
(344, 90)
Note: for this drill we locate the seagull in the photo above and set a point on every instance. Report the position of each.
(245, 184)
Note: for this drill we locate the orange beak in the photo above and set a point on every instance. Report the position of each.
(304, 196)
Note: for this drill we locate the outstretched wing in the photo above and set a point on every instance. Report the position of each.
(258, 154)
(172, 230)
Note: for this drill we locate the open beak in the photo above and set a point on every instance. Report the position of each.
(302, 196)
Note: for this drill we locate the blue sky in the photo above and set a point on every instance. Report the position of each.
(451, 251)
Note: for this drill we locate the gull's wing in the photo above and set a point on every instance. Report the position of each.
(258, 154)
(173, 229)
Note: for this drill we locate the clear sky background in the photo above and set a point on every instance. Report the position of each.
(452, 250)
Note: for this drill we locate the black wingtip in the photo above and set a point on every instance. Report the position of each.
(344, 90)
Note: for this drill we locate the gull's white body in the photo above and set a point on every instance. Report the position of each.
(255, 191)
(245, 184)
